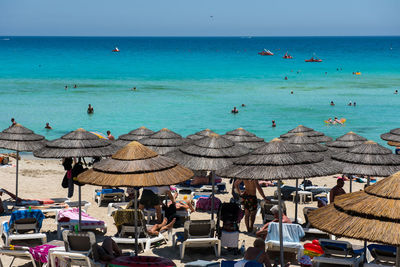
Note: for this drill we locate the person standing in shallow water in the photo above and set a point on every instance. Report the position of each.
(273, 124)
(90, 109)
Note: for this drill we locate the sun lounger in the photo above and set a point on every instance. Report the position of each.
(292, 234)
(79, 250)
(68, 218)
(383, 255)
(124, 220)
(111, 194)
(197, 234)
(338, 253)
(16, 253)
(307, 226)
(23, 225)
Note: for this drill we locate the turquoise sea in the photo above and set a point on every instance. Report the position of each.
(188, 84)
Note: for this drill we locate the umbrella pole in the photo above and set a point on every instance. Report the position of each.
(397, 256)
(365, 242)
(296, 199)
(212, 195)
(136, 230)
(280, 223)
(16, 181)
(351, 180)
(80, 208)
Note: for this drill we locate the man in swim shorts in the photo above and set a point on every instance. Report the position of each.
(250, 202)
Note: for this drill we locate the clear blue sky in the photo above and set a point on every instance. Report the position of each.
(193, 17)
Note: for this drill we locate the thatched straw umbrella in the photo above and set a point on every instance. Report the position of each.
(371, 215)
(163, 141)
(200, 134)
(134, 135)
(135, 166)
(210, 153)
(393, 137)
(278, 160)
(317, 136)
(344, 142)
(245, 138)
(76, 144)
(19, 138)
(307, 144)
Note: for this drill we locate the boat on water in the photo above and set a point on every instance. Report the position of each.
(312, 59)
(266, 53)
(287, 56)
(116, 49)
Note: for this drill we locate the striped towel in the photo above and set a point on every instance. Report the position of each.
(72, 216)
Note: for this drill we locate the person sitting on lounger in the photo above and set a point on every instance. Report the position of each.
(264, 230)
(256, 253)
(109, 250)
(151, 198)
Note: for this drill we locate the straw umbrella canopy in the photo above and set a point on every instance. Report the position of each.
(163, 141)
(369, 159)
(135, 165)
(278, 160)
(371, 215)
(317, 136)
(79, 143)
(393, 137)
(134, 135)
(344, 142)
(211, 153)
(200, 134)
(19, 139)
(245, 138)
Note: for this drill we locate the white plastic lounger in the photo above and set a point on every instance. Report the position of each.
(145, 242)
(101, 195)
(19, 253)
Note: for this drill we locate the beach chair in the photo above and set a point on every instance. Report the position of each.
(307, 226)
(338, 253)
(292, 234)
(199, 233)
(265, 209)
(68, 218)
(230, 215)
(23, 225)
(80, 250)
(16, 253)
(124, 220)
(111, 194)
(383, 255)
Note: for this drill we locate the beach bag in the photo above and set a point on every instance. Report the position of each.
(204, 203)
(64, 182)
(76, 170)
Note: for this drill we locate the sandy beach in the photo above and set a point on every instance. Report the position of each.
(42, 179)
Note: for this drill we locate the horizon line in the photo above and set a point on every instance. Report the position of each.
(200, 36)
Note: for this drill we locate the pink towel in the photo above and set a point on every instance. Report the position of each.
(41, 253)
(72, 215)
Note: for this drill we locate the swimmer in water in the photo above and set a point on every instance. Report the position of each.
(234, 110)
(396, 92)
(66, 87)
(330, 120)
(337, 121)
(273, 124)
(48, 127)
(349, 104)
(291, 92)
(243, 105)
(90, 109)
(13, 122)
(332, 104)
(75, 86)
(110, 136)
(286, 78)
(354, 104)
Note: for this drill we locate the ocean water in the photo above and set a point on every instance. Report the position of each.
(189, 84)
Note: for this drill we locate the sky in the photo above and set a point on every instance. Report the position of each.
(199, 17)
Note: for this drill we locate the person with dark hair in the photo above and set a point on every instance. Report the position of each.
(90, 109)
(337, 190)
(13, 122)
(110, 136)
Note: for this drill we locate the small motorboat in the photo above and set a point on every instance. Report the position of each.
(313, 60)
(116, 49)
(287, 56)
(266, 53)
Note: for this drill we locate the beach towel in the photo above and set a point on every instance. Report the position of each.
(292, 233)
(41, 253)
(23, 214)
(204, 203)
(72, 215)
(109, 191)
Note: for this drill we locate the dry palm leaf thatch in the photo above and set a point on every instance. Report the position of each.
(279, 160)
(372, 215)
(200, 134)
(163, 141)
(135, 165)
(78, 143)
(134, 135)
(309, 132)
(245, 138)
(19, 138)
(393, 136)
(209, 153)
(344, 142)
(306, 143)
(369, 159)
